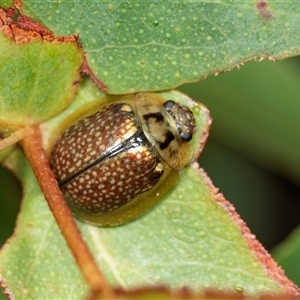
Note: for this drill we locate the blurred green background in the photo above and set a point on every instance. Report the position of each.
(252, 153)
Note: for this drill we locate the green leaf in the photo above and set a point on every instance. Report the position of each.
(193, 237)
(37, 80)
(144, 46)
(189, 239)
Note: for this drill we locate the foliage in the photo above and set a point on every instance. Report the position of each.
(194, 237)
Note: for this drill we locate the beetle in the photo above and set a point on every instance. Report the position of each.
(113, 165)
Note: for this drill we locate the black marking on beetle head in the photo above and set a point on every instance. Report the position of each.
(169, 138)
(157, 116)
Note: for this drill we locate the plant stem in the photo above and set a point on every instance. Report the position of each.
(32, 144)
(12, 139)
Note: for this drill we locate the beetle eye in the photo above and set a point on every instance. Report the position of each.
(186, 136)
(168, 105)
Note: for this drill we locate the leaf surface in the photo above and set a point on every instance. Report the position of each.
(37, 80)
(142, 46)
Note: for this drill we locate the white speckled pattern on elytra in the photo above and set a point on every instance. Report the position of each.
(114, 181)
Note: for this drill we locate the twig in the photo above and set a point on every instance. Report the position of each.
(32, 145)
(12, 139)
